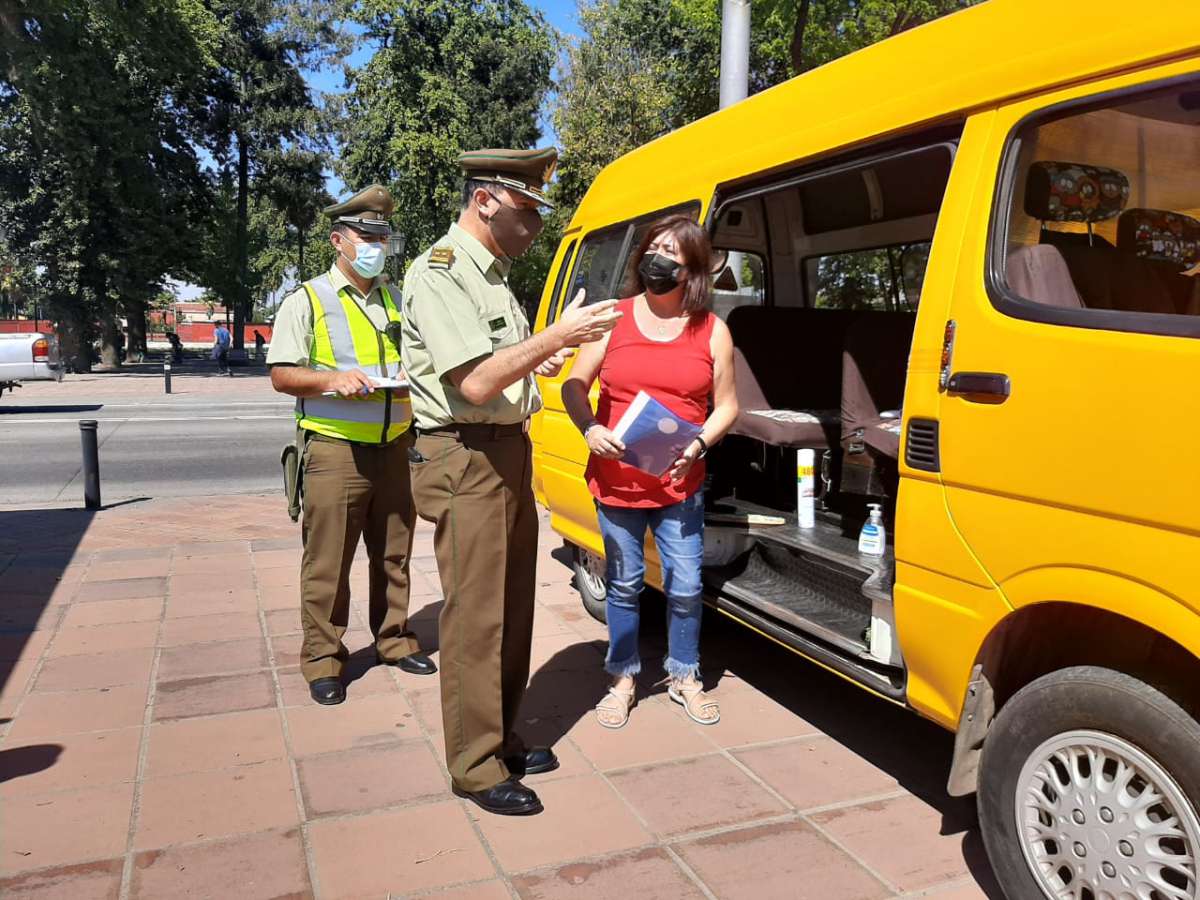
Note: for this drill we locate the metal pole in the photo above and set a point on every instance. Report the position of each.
(735, 51)
(91, 464)
(167, 376)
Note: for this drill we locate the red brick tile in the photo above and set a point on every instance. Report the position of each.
(96, 759)
(69, 827)
(370, 778)
(694, 795)
(785, 860)
(283, 621)
(17, 678)
(103, 638)
(214, 658)
(371, 720)
(211, 548)
(817, 772)
(129, 554)
(283, 576)
(215, 742)
(201, 629)
(95, 670)
(558, 834)
(85, 881)
(27, 646)
(272, 598)
(266, 866)
(210, 603)
(654, 734)
(278, 559)
(184, 808)
(123, 569)
(213, 694)
(748, 717)
(652, 870)
(227, 565)
(900, 839)
(112, 612)
(438, 848)
(52, 715)
(122, 589)
(482, 890)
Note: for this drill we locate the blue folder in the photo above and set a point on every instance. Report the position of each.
(653, 435)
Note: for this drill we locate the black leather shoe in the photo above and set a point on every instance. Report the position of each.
(508, 798)
(414, 664)
(327, 691)
(534, 761)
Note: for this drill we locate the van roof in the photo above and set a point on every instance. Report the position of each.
(968, 60)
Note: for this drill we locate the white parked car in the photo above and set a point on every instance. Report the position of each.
(28, 357)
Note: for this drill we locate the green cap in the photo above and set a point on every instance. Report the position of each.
(366, 211)
(523, 171)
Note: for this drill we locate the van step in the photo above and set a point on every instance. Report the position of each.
(800, 589)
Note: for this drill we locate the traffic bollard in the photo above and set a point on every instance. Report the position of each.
(91, 464)
(167, 376)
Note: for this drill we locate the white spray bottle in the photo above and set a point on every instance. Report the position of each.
(806, 461)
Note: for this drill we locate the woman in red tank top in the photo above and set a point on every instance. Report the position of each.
(668, 345)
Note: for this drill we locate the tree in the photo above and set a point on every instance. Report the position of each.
(447, 76)
(294, 182)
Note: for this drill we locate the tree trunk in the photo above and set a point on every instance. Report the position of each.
(109, 332)
(73, 338)
(797, 46)
(241, 300)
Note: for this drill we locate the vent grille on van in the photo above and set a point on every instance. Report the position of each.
(921, 446)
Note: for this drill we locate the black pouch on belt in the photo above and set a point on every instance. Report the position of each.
(292, 459)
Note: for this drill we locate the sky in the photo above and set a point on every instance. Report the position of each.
(559, 13)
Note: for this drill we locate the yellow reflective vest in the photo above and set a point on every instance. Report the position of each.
(344, 338)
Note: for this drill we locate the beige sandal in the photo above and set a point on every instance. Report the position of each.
(690, 695)
(617, 703)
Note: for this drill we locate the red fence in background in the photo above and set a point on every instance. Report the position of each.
(190, 333)
(25, 326)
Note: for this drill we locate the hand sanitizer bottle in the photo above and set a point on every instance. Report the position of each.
(805, 484)
(872, 540)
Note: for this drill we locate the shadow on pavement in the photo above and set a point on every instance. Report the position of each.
(51, 408)
(912, 750)
(36, 546)
(21, 761)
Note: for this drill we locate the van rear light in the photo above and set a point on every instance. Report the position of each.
(41, 350)
(947, 354)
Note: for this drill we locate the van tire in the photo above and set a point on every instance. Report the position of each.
(1118, 708)
(591, 587)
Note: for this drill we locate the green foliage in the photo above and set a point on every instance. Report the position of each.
(447, 76)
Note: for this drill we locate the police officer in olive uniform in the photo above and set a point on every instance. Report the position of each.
(332, 337)
(471, 362)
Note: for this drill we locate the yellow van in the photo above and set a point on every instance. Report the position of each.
(964, 269)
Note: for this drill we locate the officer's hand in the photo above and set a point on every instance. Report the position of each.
(581, 324)
(353, 383)
(552, 366)
(604, 443)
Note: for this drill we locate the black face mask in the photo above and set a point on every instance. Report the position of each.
(659, 273)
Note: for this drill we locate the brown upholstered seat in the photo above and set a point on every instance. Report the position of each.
(874, 365)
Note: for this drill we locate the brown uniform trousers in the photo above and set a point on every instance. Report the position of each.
(475, 484)
(353, 490)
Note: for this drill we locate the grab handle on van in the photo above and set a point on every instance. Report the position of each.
(990, 385)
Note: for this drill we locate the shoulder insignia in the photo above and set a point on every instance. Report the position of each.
(441, 256)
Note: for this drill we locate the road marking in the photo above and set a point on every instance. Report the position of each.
(73, 421)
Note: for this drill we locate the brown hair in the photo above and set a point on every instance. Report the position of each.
(696, 251)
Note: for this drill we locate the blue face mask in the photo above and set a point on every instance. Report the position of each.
(369, 259)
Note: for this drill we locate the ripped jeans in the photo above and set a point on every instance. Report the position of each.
(679, 535)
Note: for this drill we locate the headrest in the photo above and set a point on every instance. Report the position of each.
(1074, 192)
(1161, 235)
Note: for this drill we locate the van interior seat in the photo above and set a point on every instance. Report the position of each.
(1166, 244)
(786, 362)
(1039, 273)
(874, 366)
(1104, 277)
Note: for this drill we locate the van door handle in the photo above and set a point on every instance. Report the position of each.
(980, 384)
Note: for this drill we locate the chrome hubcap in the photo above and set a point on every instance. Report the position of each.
(1099, 819)
(592, 567)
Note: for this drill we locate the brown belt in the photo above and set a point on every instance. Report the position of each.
(479, 431)
(328, 438)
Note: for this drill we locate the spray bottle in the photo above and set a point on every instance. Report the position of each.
(805, 483)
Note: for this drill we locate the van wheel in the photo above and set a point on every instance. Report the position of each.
(589, 578)
(1089, 786)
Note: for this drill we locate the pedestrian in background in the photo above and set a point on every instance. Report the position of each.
(471, 363)
(221, 341)
(329, 340)
(258, 344)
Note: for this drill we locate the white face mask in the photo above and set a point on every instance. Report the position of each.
(368, 260)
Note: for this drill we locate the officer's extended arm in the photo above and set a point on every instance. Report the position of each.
(482, 379)
(300, 381)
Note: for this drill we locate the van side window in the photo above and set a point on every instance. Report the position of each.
(887, 279)
(1103, 212)
(596, 269)
(556, 298)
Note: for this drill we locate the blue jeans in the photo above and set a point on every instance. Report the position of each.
(679, 535)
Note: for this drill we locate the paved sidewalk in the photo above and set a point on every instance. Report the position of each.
(157, 741)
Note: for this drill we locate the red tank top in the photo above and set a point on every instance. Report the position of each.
(679, 375)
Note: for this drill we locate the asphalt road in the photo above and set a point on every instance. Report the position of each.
(168, 447)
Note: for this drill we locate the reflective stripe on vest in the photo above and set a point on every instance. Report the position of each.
(345, 338)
